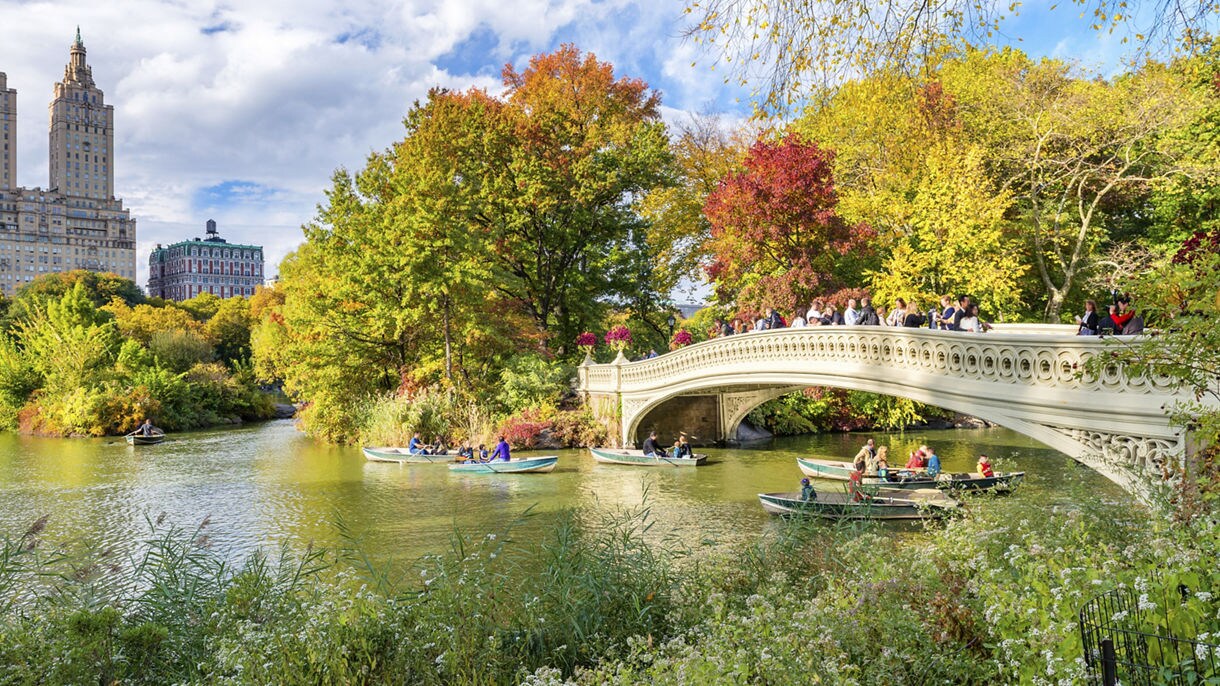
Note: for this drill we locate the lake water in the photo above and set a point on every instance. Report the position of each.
(265, 484)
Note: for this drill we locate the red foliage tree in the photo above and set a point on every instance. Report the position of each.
(776, 239)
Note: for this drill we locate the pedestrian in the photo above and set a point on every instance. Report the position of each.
(963, 304)
(897, 315)
(1088, 324)
(851, 316)
(913, 318)
(832, 316)
(774, 321)
(868, 315)
(944, 320)
(725, 328)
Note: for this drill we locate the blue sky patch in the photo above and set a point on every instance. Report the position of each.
(234, 192)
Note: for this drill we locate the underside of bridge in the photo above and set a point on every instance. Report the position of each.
(706, 417)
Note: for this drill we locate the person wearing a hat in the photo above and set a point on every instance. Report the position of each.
(984, 466)
(683, 447)
(807, 492)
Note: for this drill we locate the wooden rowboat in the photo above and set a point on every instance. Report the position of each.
(964, 481)
(842, 506)
(516, 466)
(639, 459)
(402, 456)
(134, 439)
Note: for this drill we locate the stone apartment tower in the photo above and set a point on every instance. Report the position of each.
(76, 222)
(82, 132)
(8, 131)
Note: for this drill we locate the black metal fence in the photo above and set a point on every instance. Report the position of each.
(1120, 646)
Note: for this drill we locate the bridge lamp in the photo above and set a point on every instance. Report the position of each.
(671, 321)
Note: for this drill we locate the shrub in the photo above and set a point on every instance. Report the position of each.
(531, 381)
(523, 429)
(180, 350)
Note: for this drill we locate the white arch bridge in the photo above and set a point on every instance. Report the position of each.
(1025, 378)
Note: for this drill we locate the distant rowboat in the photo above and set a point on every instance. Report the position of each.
(639, 459)
(516, 466)
(402, 456)
(153, 439)
(831, 469)
(843, 506)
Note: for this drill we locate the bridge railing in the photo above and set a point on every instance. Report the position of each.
(1028, 355)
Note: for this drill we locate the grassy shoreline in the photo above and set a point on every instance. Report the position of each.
(990, 598)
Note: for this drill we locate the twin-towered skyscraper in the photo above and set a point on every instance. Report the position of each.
(76, 222)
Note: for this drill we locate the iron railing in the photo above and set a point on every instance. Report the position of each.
(1121, 648)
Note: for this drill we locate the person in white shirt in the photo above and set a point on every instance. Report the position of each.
(815, 311)
(898, 314)
(851, 316)
(798, 321)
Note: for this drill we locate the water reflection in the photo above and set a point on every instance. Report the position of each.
(266, 484)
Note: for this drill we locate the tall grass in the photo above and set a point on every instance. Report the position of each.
(593, 598)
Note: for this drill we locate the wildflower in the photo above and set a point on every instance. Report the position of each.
(1145, 604)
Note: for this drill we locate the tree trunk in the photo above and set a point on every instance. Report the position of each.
(448, 342)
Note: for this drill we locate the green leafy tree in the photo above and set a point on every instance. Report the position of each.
(956, 241)
(1067, 145)
(100, 288)
(229, 330)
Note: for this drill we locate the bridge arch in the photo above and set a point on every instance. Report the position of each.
(1027, 381)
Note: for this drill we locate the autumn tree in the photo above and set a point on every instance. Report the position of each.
(497, 226)
(776, 238)
(704, 151)
(1066, 145)
(556, 190)
(786, 52)
(954, 239)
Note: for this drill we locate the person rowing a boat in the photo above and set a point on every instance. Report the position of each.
(147, 428)
(502, 452)
(416, 446)
(651, 449)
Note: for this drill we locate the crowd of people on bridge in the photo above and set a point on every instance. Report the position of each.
(953, 314)
(1120, 319)
(960, 314)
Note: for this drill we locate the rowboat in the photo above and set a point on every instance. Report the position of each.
(517, 466)
(639, 459)
(401, 456)
(134, 439)
(963, 481)
(843, 506)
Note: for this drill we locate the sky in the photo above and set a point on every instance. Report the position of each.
(242, 112)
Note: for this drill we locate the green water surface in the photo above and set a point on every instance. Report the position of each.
(265, 484)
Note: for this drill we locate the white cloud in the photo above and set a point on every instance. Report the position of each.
(280, 93)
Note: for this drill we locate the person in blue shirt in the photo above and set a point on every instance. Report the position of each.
(416, 446)
(501, 451)
(933, 463)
